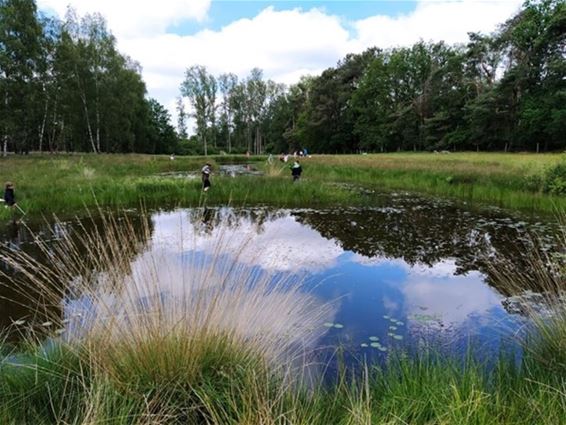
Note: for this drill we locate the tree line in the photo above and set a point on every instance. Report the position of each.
(65, 87)
(501, 91)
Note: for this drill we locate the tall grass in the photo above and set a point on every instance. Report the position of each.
(65, 184)
(544, 276)
(163, 328)
(163, 335)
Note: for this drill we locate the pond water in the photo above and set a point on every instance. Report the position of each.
(230, 170)
(410, 272)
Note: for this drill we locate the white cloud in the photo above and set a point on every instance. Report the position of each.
(286, 44)
(282, 245)
(435, 20)
(453, 299)
(127, 18)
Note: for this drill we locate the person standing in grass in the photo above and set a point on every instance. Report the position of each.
(296, 170)
(10, 199)
(206, 171)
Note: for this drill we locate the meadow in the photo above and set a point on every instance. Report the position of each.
(66, 184)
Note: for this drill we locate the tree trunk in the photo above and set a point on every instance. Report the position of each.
(5, 144)
(42, 129)
(97, 129)
(82, 95)
(89, 128)
(97, 112)
(249, 137)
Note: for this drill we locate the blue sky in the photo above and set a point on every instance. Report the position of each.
(286, 39)
(223, 12)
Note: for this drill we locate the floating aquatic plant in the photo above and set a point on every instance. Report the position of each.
(373, 338)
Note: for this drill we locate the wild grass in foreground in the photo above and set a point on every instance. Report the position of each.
(156, 336)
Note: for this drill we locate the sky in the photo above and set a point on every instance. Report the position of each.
(286, 39)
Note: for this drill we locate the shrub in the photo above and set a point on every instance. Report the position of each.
(555, 179)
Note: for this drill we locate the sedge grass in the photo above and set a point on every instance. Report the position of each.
(161, 326)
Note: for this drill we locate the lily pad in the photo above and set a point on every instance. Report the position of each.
(393, 328)
(386, 317)
(375, 344)
(382, 348)
(390, 334)
(373, 338)
(364, 345)
(398, 337)
(329, 325)
(338, 326)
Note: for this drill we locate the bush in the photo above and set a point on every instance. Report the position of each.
(555, 179)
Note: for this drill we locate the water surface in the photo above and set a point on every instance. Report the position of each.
(411, 272)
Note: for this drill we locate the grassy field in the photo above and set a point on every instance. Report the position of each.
(65, 184)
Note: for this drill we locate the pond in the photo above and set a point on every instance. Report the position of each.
(412, 271)
(230, 170)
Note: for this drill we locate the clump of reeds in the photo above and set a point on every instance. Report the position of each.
(540, 288)
(159, 324)
(275, 169)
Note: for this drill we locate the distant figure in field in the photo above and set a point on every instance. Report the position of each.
(296, 170)
(9, 195)
(10, 199)
(206, 172)
(172, 157)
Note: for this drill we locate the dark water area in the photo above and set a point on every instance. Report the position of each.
(410, 273)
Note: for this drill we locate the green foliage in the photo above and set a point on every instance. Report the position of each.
(555, 179)
(65, 87)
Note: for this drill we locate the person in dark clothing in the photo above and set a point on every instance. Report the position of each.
(9, 195)
(296, 170)
(10, 199)
(206, 171)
